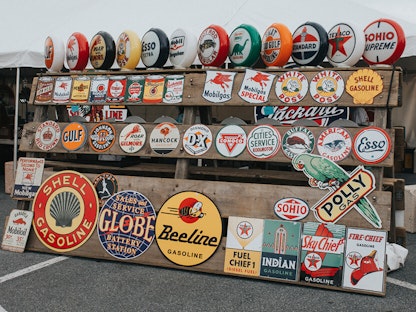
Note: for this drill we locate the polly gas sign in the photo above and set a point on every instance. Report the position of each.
(346, 190)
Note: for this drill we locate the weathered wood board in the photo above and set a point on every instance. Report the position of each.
(28, 145)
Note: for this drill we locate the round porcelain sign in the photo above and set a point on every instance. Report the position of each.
(384, 42)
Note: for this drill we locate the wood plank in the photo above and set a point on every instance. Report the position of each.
(28, 138)
(195, 82)
(257, 200)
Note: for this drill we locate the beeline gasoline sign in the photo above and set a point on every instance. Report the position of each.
(188, 228)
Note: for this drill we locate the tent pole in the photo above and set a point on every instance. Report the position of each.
(16, 119)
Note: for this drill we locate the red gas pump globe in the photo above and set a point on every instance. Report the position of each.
(77, 51)
(384, 42)
(213, 45)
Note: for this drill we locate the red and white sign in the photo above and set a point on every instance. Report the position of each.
(334, 143)
(132, 138)
(65, 211)
(77, 51)
(372, 145)
(327, 87)
(291, 209)
(231, 141)
(291, 87)
(346, 45)
(256, 86)
(263, 142)
(17, 230)
(213, 45)
(384, 42)
(47, 135)
(218, 86)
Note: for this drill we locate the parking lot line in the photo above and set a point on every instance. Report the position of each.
(401, 283)
(32, 268)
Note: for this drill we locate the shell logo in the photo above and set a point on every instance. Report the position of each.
(65, 211)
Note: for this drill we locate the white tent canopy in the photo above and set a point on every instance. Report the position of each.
(25, 25)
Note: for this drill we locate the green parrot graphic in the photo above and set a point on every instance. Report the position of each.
(326, 174)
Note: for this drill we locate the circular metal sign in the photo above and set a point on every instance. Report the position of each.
(326, 87)
(65, 211)
(231, 141)
(197, 140)
(74, 136)
(188, 228)
(372, 145)
(291, 87)
(126, 225)
(47, 135)
(164, 138)
(102, 137)
(298, 140)
(334, 143)
(132, 138)
(106, 186)
(263, 142)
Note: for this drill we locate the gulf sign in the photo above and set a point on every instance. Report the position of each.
(291, 209)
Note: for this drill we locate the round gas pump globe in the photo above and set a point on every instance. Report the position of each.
(346, 45)
(182, 51)
(155, 48)
(213, 46)
(384, 42)
(310, 44)
(77, 51)
(54, 53)
(128, 50)
(102, 51)
(245, 45)
(276, 45)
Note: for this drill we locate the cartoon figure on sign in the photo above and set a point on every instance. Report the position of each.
(349, 189)
(190, 210)
(367, 265)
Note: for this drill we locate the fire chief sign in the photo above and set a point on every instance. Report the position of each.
(65, 211)
(188, 228)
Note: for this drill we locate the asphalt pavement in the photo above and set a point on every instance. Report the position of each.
(32, 281)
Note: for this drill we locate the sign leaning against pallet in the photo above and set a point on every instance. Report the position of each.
(187, 217)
